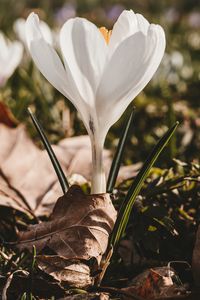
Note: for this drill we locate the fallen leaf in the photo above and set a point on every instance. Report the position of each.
(28, 181)
(6, 116)
(78, 230)
(156, 283)
(72, 272)
(87, 296)
(88, 219)
(129, 171)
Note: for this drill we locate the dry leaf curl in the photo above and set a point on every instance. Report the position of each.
(78, 229)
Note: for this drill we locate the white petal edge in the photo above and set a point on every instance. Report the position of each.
(126, 25)
(50, 65)
(15, 54)
(19, 28)
(3, 45)
(126, 75)
(46, 32)
(84, 52)
(10, 57)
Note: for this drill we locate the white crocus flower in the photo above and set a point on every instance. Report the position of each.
(19, 28)
(10, 57)
(103, 71)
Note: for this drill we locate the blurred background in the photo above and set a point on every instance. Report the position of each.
(173, 93)
(170, 198)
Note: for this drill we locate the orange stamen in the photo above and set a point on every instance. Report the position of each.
(106, 33)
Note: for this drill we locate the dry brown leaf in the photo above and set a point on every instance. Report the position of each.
(78, 227)
(129, 171)
(72, 272)
(156, 283)
(22, 166)
(87, 296)
(6, 116)
(27, 179)
(78, 230)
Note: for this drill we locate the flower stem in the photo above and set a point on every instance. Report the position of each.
(98, 175)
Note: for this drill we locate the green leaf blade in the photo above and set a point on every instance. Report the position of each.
(114, 169)
(136, 186)
(56, 165)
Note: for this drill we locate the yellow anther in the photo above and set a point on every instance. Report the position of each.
(106, 33)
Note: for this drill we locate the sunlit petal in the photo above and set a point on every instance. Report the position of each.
(127, 24)
(10, 57)
(103, 72)
(133, 64)
(50, 65)
(84, 52)
(4, 46)
(19, 28)
(14, 58)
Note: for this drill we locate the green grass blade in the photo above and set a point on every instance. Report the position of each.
(34, 254)
(114, 169)
(136, 186)
(61, 176)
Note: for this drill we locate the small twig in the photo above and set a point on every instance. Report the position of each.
(7, 258)
(105, 263)
(8, 282)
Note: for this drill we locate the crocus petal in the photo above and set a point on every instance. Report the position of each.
(19, 28)
(46, 58)
(14, 58)
(99, 79)
(129, 70)
(84, 52)
(46, 32)
(50, 65)
(4, 46)
(10, 57)
(127, 24)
